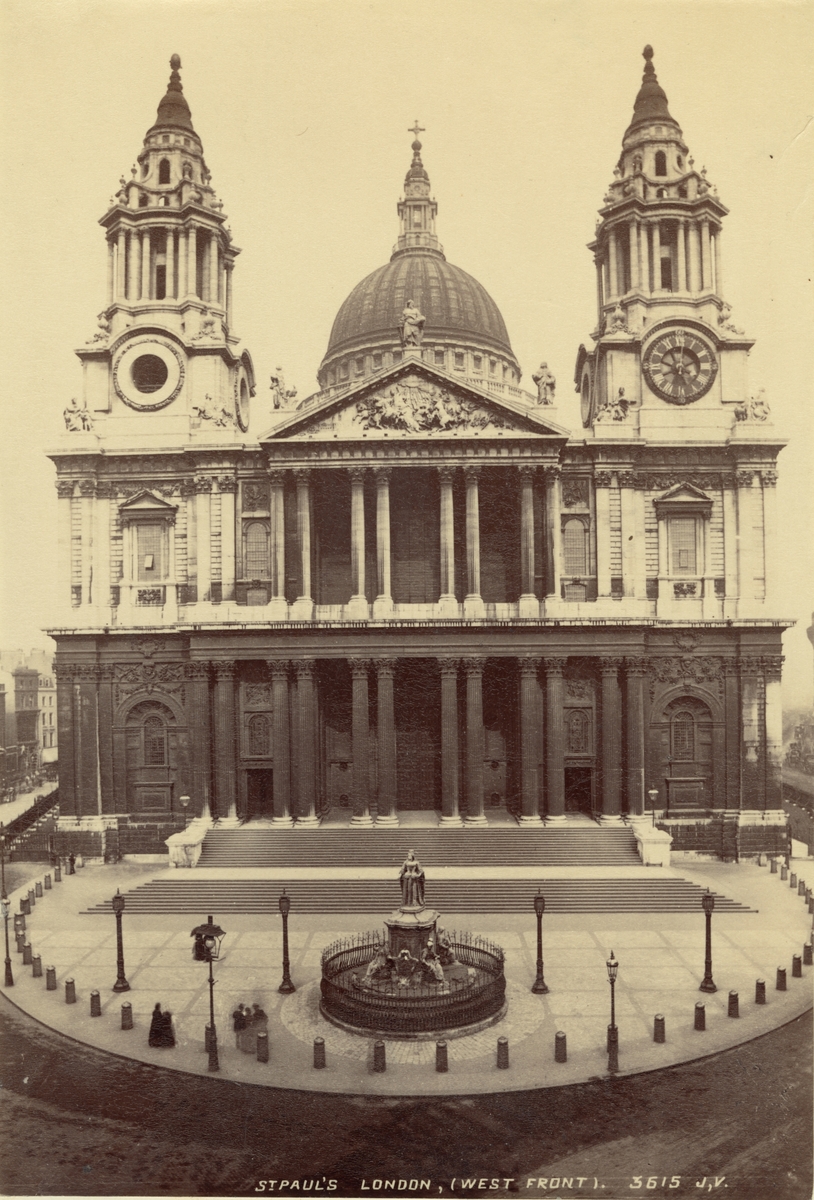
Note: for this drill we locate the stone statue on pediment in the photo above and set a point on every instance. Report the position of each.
(280, 397)
(411, 325)
(546, 384)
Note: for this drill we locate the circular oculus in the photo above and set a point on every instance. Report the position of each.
(148, 374)
(680, 367)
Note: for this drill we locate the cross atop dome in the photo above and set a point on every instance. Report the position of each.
(416, 129)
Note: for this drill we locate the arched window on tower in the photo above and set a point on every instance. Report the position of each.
(661, 162)
(155, 742)
(164, 171)
(575, 547)
(256, 550)
(682, 736)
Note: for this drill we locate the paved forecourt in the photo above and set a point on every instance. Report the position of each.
(661, 962)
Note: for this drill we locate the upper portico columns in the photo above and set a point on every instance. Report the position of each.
(278, 609)
(447, 604)
(383, 604)
(358, 606)
(553, 504)
(473, 601)
(303, 607)
(529, 605)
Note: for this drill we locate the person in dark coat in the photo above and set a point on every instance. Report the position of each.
(238, 1023)
(167, 1031)
(156, 1027)
(71, 864)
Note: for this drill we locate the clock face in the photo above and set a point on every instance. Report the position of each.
(680, 367)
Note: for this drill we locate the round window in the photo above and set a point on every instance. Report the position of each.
(149, 373)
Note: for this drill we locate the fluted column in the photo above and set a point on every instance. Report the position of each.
(306, 745)
(133, 265)
(192, 261)
(281, 741)
(644, 255)
(360, 734)
(694, 257)
(303, 607)
(602, 485)
(386, 728)
(65, 489)
(706, 257)
(773, 793)
(225, 741)
(183, 261)
(203, 508)
(228, 266)
(635, 671)
(121, 265)
(553, 506)
(656, 256)
(473, 603)
(746, 536)
(528, 605)
(611, 742)
(450, 783)
(613, 274)
(600, 300)
(474, 741)
(633, 242)
(383, 604)
(101, 550)
(227, 486)
(111, 270)
(529, 741)
(554, 741)
(358, 607)
(771, 545)
(214, 270)
(200, 739)
(719, 266)
(627, 481)
(146, 256)
(278, 609)
(87, 490)
(682, 256)
(448, 605)
(169, 261)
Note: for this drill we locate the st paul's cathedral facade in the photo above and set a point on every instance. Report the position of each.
(416, 590)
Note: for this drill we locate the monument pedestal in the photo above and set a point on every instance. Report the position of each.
(410, 929)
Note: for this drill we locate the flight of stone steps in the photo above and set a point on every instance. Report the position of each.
(578, 846)
(191, 894)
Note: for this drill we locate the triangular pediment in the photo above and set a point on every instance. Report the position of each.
(414, 400)
(687, 492)
(146, 502)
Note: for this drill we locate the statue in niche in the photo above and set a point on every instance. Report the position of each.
(615, 409)
(546, 383)
(280, 398)
(411, 325)
(77, 419)
(411, 878)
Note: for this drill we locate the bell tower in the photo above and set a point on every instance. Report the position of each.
(166, 365)
(669, 363)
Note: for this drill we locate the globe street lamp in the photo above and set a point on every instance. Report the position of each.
(653, 796)
(613, 1032)
(4, 903)
(286, 986)
(121, 984)
(184, 806)
(206, 949)
(708, 904)
(539, 986)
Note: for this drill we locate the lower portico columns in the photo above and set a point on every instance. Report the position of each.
(357, 608)
(383, 604)
(197, 684)
(278, 609)
(447, 604)
(450, 814)
(303, 607)
(474, 741)
(529, 741)
(385, 670)
(635, 671)
(360, 735)
(278, 669)
(528, 605)
(473, 602)
(611, 742)
(306, 745)
(554, 741)
(225, 739)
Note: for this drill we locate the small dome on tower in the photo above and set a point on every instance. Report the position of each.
(173, 110)
(650, 105)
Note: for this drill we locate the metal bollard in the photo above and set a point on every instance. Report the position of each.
(57, 874)
(773, 866)
(560, 1047)
(50, 979)
(811, 904)
(19, 923)
(28, 954)
(792, 880)
(784, 873)
(801, 887)
(262, 1047)
(760, 991)
(127, 1015)
(25, 906)
(796, 967)
(70, 991)
(319, 1054)
(31, 899)
(38, 890)
(47, 882)
(441, 1058)
(379, 1058)
(807, 948)
(732, 1011)
(95, 1004)
(503, 1053)
(700, 1016)
(36, 966)
(780, 986)
(658, 1028)
(19, 938)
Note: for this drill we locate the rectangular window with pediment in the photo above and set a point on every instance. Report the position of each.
(683, 546)
(150, 550)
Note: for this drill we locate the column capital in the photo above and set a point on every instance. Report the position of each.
(304, 668)
(277, 476)
(225, 668)
(603, 478)
(610, 666)
(227, 483)
(530, 665)
(471, 472)
(554, 666)
(107, 672)
(744, 478)
(278, 667)
(527, 472)
(552, 474)
(769, 478)
(357, 474)
(104, 489)
(772, 665)
(382, 475)
(750, 665)
(385, 667)
(203, 483)
(65, 488)
(359, 667)
(636, 666)
(87, 487)
(303, 476)
(731, 668)
(627, 479)
(446, 474)
(197, 670)
(473, 666)
(449, 666)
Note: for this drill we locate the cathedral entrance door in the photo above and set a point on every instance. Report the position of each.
(259, 794)
(579, 790)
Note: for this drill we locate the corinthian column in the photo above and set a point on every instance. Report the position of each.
(635, 671)
(474, 741)
(447, 604)
(385, 670)
(227, 486)
(200, 742)
(306, 745)
(528, 605)
(303, 607)
(473, 602)
(383, 604)
(553, 505)
(358, 608)
(278, 609)
(360, 735)
(225, 741)
(554, 741)
(450, 814)
(529, 741)
(611, 742)
(281, 743)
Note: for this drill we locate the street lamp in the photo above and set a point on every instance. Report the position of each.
(4, 902)
(613, 1032)
(708, 904)
(286, 986)
(653, 797)
(539, 986)
(121, 984)
(206, 949)
(184, 805)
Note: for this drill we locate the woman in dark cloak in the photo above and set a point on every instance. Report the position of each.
(156, 1027)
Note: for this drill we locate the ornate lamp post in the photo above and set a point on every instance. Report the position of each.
(653, 797)
(539, 986)
(285, 907)
(184, 807)
(613, 1032)
(4, 903)
(121, 984)
(206, 949)
(708, 903)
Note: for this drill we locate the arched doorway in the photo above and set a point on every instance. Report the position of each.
(685, 749)
(152, 758)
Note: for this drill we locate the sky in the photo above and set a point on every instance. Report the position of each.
(304, 106)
